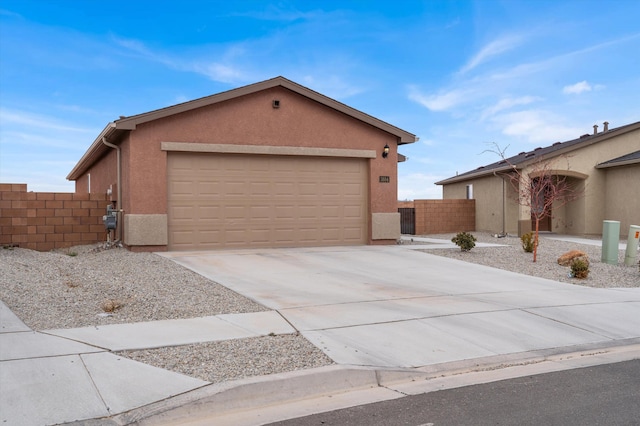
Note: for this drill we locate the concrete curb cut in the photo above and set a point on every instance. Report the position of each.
(251, 393)
(233, 400)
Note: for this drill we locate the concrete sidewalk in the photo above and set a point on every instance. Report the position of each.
(61, 376)
(392, 318)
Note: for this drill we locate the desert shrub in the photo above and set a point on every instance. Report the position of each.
(527, 242)
(579, 268)
(465, 241)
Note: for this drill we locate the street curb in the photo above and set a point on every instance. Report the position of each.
(257, 393)
(251, 393)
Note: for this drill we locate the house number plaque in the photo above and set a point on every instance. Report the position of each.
(384, 179)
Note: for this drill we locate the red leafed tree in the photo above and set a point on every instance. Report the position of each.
(541, 187)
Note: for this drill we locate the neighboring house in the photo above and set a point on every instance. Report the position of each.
(272, 164)
(604, 167)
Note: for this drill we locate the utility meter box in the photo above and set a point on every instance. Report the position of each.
(110, 219)
(610, 241)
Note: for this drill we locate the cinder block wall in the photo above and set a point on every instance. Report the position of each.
(444, 216)
(47, 220)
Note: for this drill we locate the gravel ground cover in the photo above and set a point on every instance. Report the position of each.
(235, 359)
(513, 258)
(70, 288)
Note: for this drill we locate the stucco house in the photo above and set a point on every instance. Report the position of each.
(603, 166)
(271, 164)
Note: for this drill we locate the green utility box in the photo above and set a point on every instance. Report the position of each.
(610, 241)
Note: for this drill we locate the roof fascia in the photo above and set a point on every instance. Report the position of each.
(618, 163)
(599, 138)
(96, 149)
(130, 123)
(479, 173)
(404, 136)
(524, 164)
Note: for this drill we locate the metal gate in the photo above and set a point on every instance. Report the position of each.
(407, 220)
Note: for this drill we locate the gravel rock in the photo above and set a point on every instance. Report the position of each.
(89, 286)
(236, 359)
(513, 258)
(74, 287)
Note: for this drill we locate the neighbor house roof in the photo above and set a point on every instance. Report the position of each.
(114, 130)
(625, 160)
(558, 148)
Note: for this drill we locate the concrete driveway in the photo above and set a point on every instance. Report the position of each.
(393, 306)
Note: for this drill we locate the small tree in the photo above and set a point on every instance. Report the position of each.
(541, 188)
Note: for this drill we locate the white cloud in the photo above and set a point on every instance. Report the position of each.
(507, 103)
(419, 186)
(34, 120)
(217, 72)
(453, 24)
(332, 86)
(494, 48)
(280, 12)
(440, 102)
(536, 126)
(4, 12)
(223, 70)
(576, 89)
(429, 142)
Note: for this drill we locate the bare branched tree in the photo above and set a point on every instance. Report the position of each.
(541, 188)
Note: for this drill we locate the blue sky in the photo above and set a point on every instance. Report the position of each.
(459, 74)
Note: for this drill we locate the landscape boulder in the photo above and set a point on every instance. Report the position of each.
(567, 258)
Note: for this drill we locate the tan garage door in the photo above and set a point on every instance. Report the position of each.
(235, 201)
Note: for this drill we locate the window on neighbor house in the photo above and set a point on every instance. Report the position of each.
(470, 192)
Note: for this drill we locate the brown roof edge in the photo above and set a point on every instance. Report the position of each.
(624, 160)
(92, 154)
(573, 145)
(97, 148)
(480, 173)
(130, 123)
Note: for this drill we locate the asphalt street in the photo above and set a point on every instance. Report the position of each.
(601, 395)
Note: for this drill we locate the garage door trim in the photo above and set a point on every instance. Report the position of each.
(266, 150)
(241, 201)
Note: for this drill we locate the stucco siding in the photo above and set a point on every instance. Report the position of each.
(103, 175)
(600, 196)
(274, 118)
(251, 120)
(491, 202)
(622, 201)
(586, 217)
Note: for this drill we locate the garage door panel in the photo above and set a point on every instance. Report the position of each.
(260, 213)
(285, 213)
(353, 233)
(207, 188)
(353, 190)
(257, 189)
(353, 212)
(331, 212)
(284, 188)
(233, 201)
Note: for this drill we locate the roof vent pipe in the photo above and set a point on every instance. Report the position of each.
(606, 126)
(595, 129)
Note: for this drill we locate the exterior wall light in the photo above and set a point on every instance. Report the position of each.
(385, 151)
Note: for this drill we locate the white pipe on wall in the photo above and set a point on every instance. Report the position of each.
(118, 178)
